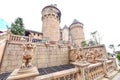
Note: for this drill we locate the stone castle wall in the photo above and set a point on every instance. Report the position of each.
(44, 56)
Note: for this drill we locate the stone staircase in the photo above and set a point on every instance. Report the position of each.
(110, 76)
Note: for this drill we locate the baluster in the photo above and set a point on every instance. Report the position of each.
(73, 78)
(58, 78)
(13, 38)
(68, 76)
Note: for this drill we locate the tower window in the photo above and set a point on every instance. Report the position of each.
(53, 15)
(48, 14)
(56, 16)
(34, 33)
(51, 9)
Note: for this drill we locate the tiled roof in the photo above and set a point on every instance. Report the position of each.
(33, 31)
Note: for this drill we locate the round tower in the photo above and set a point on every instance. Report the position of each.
(50, 22)
(65, 33)
(76, 33)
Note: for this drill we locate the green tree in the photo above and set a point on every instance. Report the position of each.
(83, 43)
(118, 45)
(95, 40)
(118, 56)
(96, 37)
(17, 27)
(91, 43)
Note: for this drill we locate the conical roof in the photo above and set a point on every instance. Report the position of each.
(65, 27)
(75, 21)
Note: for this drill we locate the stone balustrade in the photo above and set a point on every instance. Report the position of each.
(3, 35)
(110, 66)
(17, 38)
(95, 71)
(21, 39)
(70, 74)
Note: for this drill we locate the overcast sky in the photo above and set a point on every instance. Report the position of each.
(100, 15)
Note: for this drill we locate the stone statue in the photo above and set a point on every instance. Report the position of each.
(27, 55)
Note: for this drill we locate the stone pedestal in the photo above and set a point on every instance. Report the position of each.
(18, 74)
(82, 67)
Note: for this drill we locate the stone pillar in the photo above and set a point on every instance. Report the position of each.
(26, 70)
(114, 63)
(82, 67)
(104, 66)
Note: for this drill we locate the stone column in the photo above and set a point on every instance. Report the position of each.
(114, 63)
(82, 67)
(103, 61)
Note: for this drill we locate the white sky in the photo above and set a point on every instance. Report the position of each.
(100, 15)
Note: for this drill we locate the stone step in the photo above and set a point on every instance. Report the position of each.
(111, 75)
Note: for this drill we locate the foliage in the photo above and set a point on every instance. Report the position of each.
(91, 43)
(118, 45)
(118, 56)
(95, 40)
(17, 27)
(83, 43)
(108, 54)
(96, 37)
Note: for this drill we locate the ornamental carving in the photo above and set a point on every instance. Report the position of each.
(87, 54)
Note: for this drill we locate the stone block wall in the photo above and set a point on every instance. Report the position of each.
(44, 56)
(11, 57)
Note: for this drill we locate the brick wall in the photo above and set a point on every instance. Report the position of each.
(44, 56)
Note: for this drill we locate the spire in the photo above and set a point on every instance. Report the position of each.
(65, 27)
(55, 5)
(75, 21)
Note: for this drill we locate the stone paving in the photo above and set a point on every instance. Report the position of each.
(117, 77)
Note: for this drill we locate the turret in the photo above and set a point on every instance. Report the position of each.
(65, 33)
(76, 32)
(51, 16)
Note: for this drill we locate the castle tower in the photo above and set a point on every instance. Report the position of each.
(76, 32)
(50, 22)
(65, 33)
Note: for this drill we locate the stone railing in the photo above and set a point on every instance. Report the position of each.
(110, 66)
(70, 74)
(94, 71)
(3, 35)
(18, 39)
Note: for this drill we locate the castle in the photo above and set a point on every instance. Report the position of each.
(51, 18)
(58, 54)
